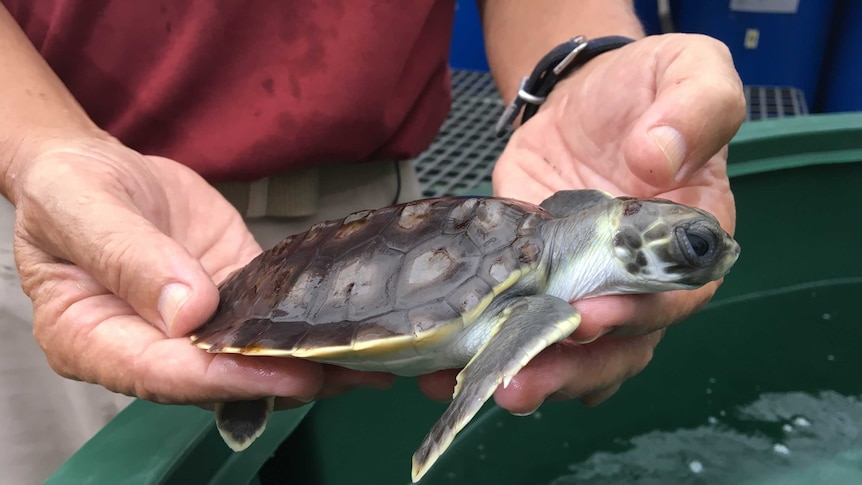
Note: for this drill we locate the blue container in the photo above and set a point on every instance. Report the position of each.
(842, 87)
(647, 12)
(468, 46)
(769, 49)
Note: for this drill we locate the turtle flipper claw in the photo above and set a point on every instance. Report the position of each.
(241, 422)
(525, 328)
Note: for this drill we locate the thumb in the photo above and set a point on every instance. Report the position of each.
(127, 254)
(698, 107)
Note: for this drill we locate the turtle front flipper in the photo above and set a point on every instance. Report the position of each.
(240, 422)
(525, 327)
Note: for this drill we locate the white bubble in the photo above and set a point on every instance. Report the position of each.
(712, 420)
(787, 428)
(801, 422)
(827, 316)
(780, 449)
(537, 415)
(709, 390)
(830, 357)
(695, 466)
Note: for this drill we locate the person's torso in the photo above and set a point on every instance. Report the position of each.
(239, 89)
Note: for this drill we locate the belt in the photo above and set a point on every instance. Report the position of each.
(293, 194)
(298, 193)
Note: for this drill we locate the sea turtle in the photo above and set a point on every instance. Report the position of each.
(479, 283)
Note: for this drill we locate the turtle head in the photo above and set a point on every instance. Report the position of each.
(605, 245)
(662, 245)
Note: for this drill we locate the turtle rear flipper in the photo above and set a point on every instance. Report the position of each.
(524, 328)
(240, 422)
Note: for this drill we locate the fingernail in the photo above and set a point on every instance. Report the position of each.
(595, 337)
(526, 413)
(173, 297)
(671, 144)
(304, 399)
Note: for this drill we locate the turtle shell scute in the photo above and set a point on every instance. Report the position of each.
(400, 270)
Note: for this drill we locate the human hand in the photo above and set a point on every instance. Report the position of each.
(118, 252)
(594, 131)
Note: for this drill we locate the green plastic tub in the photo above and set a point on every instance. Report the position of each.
(762, 386)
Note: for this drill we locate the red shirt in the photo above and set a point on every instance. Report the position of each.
(240, 89)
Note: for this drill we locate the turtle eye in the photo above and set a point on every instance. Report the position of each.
(698, 245)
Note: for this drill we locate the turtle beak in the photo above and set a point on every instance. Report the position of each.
(729, 258)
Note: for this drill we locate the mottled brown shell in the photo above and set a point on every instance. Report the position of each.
(377, 275)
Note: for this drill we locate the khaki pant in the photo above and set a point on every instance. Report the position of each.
(45, 418)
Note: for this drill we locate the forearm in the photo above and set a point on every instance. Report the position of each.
(518, 33)
(35, 106)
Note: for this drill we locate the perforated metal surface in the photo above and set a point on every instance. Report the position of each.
(774, 102)
(464, 151)
(463, 154)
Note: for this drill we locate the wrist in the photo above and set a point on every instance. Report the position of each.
(554, 67)
(20, 151)
(36, 109)
(518, 34)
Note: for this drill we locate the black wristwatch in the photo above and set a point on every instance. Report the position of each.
(556, 64)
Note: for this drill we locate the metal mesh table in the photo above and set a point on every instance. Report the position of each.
(463, 154)
(766, 102)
